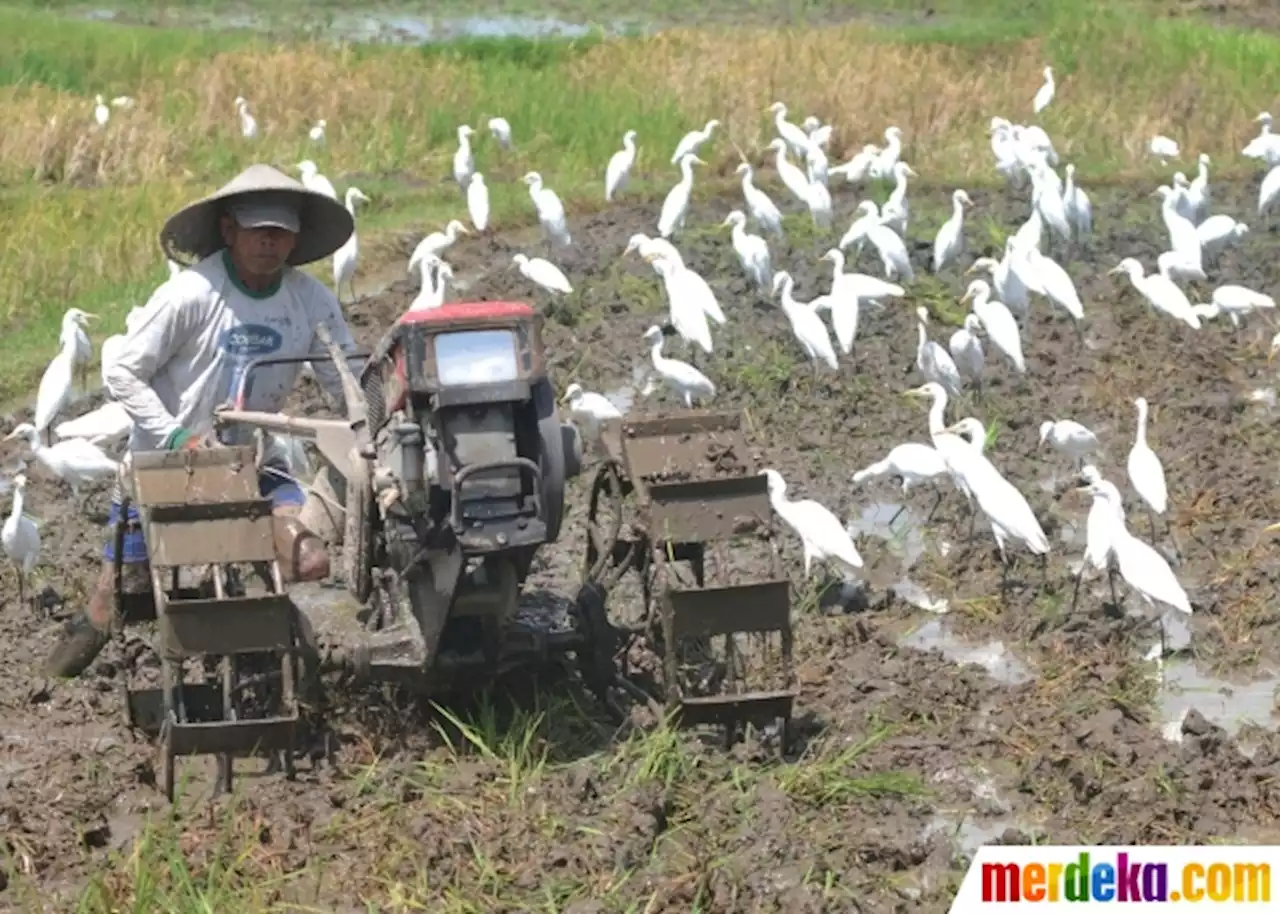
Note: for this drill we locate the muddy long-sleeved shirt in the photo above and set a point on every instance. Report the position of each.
(188, 349)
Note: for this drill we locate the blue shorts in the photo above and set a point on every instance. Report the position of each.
(282, 492)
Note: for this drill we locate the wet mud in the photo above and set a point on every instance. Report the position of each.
(944, 703)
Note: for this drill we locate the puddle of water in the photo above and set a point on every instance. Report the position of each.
(966, 833)
(624, 395)
(388, 27)
(999, 662)
(1229, 705)
(901, 529)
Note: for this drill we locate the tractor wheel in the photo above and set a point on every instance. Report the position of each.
(357, 545)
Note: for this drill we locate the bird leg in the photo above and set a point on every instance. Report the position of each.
(1151, 520)
(1075, 593)
(936, 502)
(1111, 580)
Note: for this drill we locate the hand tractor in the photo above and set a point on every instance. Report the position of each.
(451, 466)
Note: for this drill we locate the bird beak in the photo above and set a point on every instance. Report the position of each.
(952, 430)
(1114, 270)
(88, 316)
(971, 269)
(11, 435)
(1274, 528)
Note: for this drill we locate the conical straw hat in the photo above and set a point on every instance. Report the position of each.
(194, 232)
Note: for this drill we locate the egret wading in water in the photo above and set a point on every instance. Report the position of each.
(822, 536)
(1142, 568)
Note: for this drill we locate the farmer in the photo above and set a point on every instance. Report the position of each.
(240, 300)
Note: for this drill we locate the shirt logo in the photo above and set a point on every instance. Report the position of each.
(251, 340)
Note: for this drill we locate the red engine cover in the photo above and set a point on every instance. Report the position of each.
(467, 311)
(443, 316)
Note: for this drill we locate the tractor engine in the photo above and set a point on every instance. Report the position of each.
(463, 419)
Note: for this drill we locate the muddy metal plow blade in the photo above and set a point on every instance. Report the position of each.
(203, 516)
(704, 515)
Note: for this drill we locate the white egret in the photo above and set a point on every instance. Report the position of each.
(895, 211)
(1175, 267)
(589, 409)
(912, 462)
(1142, 568)
(943, 441)
(883, 164)
(1236, 302)
(313, 180)
(54, 392)
(763, 210)
(752, 251)
(819, 202)
(816, 164)
(501, 131)
(1045, 94)
(822, 536)
(619, 167)
(949, 243)
(966, 351)
(101, 113)
(20, 537)
(542, 273)
(792, 177)
(689, 288)
(1009, 287)
(1146, 472)
(868, 214)
(1159, 291)
(997, 322)
(1219, 232)
(248, 124)
(1099, 523)
(464, 161)
(1269, 190)
(890, 246)
(435, 281)
(345, 258)
(1079, 210)
(550, 210)
(75, 461)
(808, 328)
(857, 168)
(1068, 437)
(682, 378)
(1053, 282)
(1198, 194)
(107, 426)
(676, 205)
(688, 317)
(1163, 148)
(1006, 509)
(316, 133)
(478, 201)
(648, 247)
(435, 243)
(692, 141)
(933, 361)
(788, 132)
(1183, 239)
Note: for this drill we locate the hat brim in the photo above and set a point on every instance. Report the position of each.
(195, 231)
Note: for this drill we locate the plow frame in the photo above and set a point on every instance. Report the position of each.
(202, 515)
(660, 466)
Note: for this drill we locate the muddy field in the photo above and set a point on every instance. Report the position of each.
(923, 734)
